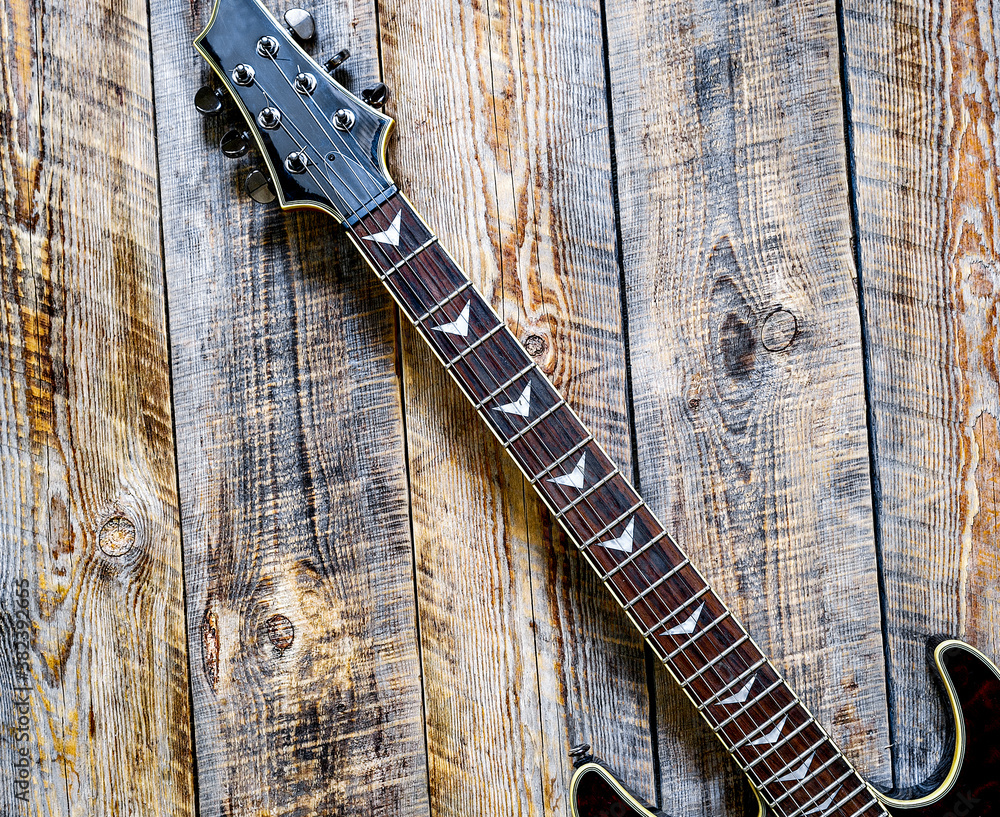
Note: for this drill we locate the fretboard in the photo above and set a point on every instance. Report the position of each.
(792, 762)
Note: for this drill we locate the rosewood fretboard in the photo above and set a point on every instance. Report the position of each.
(787, 755)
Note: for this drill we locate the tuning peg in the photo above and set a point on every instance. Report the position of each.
(376, 95)
(235, 143)
(301, 23)
(337, 60)
(259, 187)
(208, 100)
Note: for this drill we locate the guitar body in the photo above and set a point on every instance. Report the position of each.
(971, 775)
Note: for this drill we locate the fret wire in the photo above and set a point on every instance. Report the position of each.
(865, 808)
(665, 577)
(798, 761)
(707, 628)
(778, 744)
(584, 442)
(607, 528)
(505, 385)
(802, 782)
(739, 679)
(830, 789)
(548, 412)
(451, 363)
(808, 778)
(596, 486)
(657, 649)
(728, 651)
(399, 292)
(419, 320)
(400, 264)
(855, 793)
(743, 709)
(399, 288)
(768, 723)
(646, 633)
(823, 732)
(636, 554)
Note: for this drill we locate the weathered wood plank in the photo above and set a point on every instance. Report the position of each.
(746, 357)
(298, 558)
(924, 106)
(503, 145)
(88, 488)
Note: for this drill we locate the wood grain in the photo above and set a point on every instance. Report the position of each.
(503, 146)
(298, 558)
(89, 504)
(310, 427)
(746, 353)
(924, 106)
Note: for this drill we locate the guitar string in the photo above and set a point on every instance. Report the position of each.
(773, 752)
(381, 211)
(304, 98)
(811, 799)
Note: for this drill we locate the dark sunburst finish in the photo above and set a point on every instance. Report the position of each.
(968, 784)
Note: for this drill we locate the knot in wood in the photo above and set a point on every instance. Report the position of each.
(980, 279)
(280, 632)
(117, 535)
(738, 346)
(210, 644)
(692, 393)
(779, 330)
(535, 345)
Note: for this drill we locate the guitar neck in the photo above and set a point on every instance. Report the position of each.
(792, 762)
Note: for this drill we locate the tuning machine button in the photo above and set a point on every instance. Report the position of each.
(208, 100)
(376, 95)
(301, 23)
(235, 143)
(243, 74)
(343, 119)
(296, 162)
(259, 187)
(304, 82)
(269, 118)
(267, 46)
(337, 60)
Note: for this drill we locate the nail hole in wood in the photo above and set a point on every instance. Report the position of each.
(779, 330)
(535, 345)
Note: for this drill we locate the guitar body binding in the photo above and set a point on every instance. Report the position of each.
(966, 785)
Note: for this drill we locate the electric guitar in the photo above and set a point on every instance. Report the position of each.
(325, 149)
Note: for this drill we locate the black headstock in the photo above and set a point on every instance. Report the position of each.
(324, 147)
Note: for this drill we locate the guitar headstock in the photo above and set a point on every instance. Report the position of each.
(324, 147)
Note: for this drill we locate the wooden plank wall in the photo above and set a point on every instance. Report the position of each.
(524, 655)
(660, 199)
(298, 558)
(924, 93)
(746, 355)
(95, 703)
